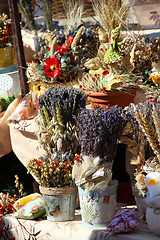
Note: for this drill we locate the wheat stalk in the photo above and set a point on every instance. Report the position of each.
(149, 132)
(74, 11)
(48, 38)
(156, 120)
(53, 45)
(77, 37)
(110, 13)
(88, 82)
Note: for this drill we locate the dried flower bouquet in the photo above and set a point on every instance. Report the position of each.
(57, 127)
(146, 133)
(122, 58)
(57, 135)
(98, 132)
(52, 170)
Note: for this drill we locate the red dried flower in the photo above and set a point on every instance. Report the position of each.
(105, 72)
(52, 68)
(62, 49)
(35, 103)
(78, 158)
(5, 39)
(151, 100)
(69, 40)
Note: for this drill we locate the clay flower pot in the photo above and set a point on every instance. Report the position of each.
(110, 98)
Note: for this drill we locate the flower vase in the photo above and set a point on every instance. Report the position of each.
(7, 58)
(111, 98)
(60, 203)
(98, 208)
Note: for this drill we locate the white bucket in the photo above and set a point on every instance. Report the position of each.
(98, 208)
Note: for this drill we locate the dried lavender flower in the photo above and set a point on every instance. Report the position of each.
(56, 108)
(99, 131)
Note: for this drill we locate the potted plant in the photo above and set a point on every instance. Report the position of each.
(98, 133)
(113, 75)
(6, 44)
(54, 175)
(56, 133)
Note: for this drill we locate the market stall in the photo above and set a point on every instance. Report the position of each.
(67, 139)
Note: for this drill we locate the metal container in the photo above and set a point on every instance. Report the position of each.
(60, 203)
(98, 208)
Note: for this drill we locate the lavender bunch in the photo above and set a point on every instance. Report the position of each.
(63, 101)
(56, 123)
(99, 131)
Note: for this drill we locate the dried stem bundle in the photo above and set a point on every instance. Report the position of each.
(110, 13)
(150, 129)
(74, 11)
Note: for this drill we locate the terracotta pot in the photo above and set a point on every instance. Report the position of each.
(110, 98)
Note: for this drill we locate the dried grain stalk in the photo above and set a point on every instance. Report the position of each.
(110, 13)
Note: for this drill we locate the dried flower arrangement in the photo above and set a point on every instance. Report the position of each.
(63, 52)
(98, 132)
(56, 125)
(122, 58)
(9, 196)
(53, 170)
(5, 31)
(57, 135)
(61, 57)
(146, 150)
(6, 204)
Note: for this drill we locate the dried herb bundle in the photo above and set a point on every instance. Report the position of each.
(110, 13)
(99, 131)
(148, 115)
(56, 123)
